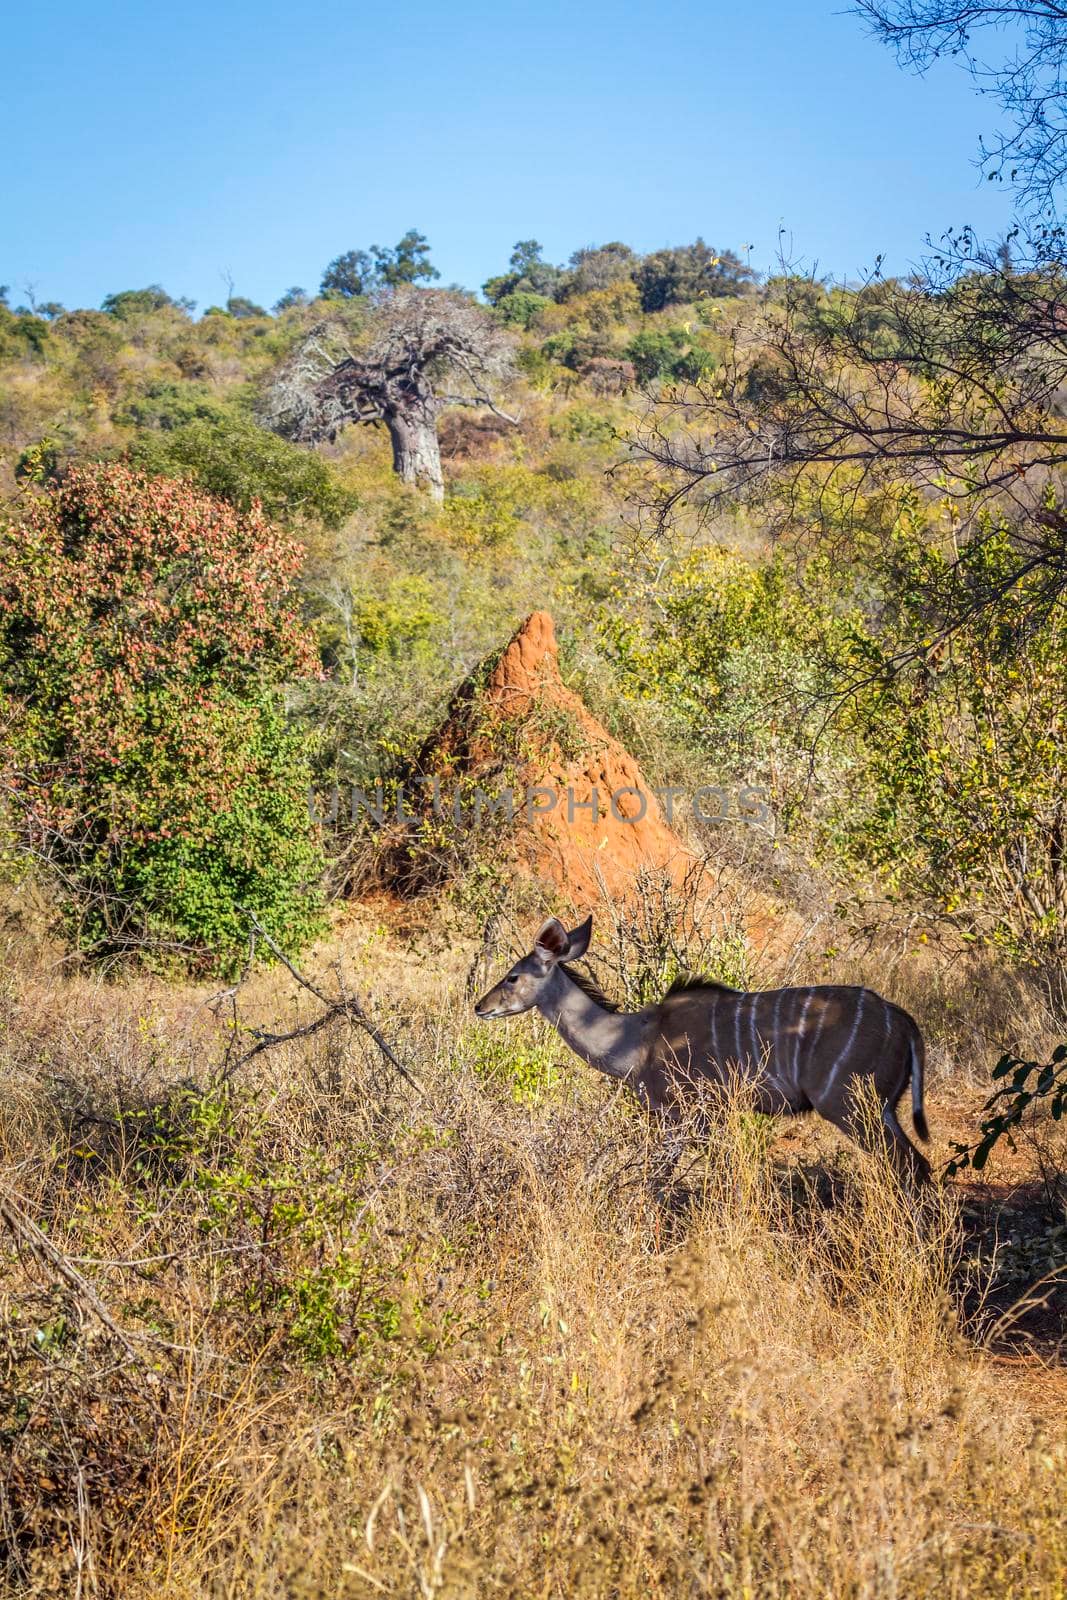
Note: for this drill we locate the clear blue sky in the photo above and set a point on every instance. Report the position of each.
(149, 143)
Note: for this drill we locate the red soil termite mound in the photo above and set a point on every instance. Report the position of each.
(583, 815)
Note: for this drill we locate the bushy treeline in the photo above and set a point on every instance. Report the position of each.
(145, 373)
(673, 275)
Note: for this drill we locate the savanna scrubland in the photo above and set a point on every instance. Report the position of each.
(310, 1285)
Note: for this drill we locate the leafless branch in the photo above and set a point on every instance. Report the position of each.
(955, 383)
(342, 1006)
(27, 1234)
(1027, 77)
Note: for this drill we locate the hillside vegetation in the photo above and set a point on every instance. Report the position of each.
(718, 654)
(331, 1291)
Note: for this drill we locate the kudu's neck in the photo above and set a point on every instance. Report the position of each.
(611, 1041)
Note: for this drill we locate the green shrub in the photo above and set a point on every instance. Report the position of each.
(145, 639)
(229, 456)
(934, 764)
(527, 1065)
(964, 739)
(130, 303)
(520, 310)
(653, 352)
(582, 422)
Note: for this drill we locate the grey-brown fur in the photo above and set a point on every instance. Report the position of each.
(800, 1049)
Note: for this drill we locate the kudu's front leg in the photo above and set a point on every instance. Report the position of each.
(671, 1196)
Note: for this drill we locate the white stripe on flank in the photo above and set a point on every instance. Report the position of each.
(808, 995)
(850, 1041)
(753, 1032)
(737, 1035)
(715, 1033)
(774, 1030)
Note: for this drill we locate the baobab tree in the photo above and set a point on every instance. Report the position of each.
(420, 351)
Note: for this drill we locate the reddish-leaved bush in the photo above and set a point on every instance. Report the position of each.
(147, 632)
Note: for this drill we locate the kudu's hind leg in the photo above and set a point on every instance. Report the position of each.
(909, 1162)
(880, 1134)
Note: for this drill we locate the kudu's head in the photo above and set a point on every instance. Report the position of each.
(521, 988)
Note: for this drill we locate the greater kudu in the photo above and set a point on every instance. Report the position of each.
(804, 1049)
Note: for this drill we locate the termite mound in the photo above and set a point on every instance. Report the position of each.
(520, 758)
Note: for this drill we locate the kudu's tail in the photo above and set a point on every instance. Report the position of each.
(918, 1069)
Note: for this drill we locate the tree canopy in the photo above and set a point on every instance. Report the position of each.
(361, 272)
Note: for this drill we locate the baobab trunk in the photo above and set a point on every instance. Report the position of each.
(416, 451)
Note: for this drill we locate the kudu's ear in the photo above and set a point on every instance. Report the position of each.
(552, 940)
(578, 940)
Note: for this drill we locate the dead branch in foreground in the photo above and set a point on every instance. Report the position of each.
(343, 1005)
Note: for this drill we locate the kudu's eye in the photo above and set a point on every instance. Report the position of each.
(511, 978)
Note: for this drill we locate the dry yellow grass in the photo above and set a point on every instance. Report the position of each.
(390, 1345)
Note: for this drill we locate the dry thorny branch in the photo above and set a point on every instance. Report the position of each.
(28, 1236)
(342, 1006)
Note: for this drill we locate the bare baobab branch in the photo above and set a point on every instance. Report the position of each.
(418, 342)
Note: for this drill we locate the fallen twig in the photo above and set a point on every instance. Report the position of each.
(27, 1234)
(347, 1006)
